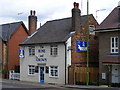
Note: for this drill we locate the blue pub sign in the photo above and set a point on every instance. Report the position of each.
(21, 53)
(81, 46)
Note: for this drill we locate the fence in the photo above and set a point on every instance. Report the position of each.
(13, 75)
(77, 75)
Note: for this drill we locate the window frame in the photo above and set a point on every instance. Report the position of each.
(54, 50)
(113, 44)
(91, 29)
(53, 68)
(31, 50)
(31, 68)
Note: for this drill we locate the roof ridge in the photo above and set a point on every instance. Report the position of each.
(12, 23)
(112, 18)
(66, 18)
(59, 19)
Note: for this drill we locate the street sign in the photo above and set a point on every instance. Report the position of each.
(81, 46)
(21, 53)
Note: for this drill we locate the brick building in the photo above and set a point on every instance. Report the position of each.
(109, 48)
(12, 35)
(51, 50)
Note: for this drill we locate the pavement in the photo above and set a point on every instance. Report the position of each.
(90, 87)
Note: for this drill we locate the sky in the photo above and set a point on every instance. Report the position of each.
(46, 10)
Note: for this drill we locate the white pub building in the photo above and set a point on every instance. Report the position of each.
(46, 53)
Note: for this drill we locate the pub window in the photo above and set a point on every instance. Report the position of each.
(53, 71)
(31, 50)
(91, 29)
(54, 50)
(31, 70)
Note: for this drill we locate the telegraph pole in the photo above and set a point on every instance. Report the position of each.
(87, 61)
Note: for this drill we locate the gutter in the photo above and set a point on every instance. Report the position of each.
(41, 43)
(107, 30)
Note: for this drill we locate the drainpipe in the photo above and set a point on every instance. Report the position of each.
(109, 70)
(65, 61)
(7, 59)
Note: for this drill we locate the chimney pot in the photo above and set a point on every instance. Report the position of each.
(76, 5)
(30, 12)
(32, 20)
(34, 12)
(76, 13)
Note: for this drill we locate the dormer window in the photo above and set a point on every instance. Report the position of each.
(91, 29)
(114, 44)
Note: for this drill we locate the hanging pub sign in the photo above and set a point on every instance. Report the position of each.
(81, 46)
(21, 53)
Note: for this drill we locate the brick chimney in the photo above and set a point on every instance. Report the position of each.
(32, 22)
(76, 13)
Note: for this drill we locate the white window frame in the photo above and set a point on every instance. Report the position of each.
(54, 69)
(91, 29)
(114, 48)
(31, 50)
(103, 75)
(53, 50)
(31, 70)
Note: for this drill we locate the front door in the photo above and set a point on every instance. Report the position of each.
(115, 74)
(41, 74)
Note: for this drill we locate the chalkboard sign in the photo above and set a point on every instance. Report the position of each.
(36, 69)
(47, 69)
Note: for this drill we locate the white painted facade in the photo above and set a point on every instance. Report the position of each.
(68, 47)
(62, 61)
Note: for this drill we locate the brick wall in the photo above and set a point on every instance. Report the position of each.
(104, 50)
(79, 58)
(14, 42)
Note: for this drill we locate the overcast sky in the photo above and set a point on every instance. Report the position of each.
(18, 10)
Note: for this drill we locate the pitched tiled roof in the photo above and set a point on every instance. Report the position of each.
(112, 21)
(9, 28)
(54, 31)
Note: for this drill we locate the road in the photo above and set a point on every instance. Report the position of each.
(19, 85)
(31, 86)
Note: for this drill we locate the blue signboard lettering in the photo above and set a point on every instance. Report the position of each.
(41, 59)
(41, 55)
(41, 50)
(81, 46)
